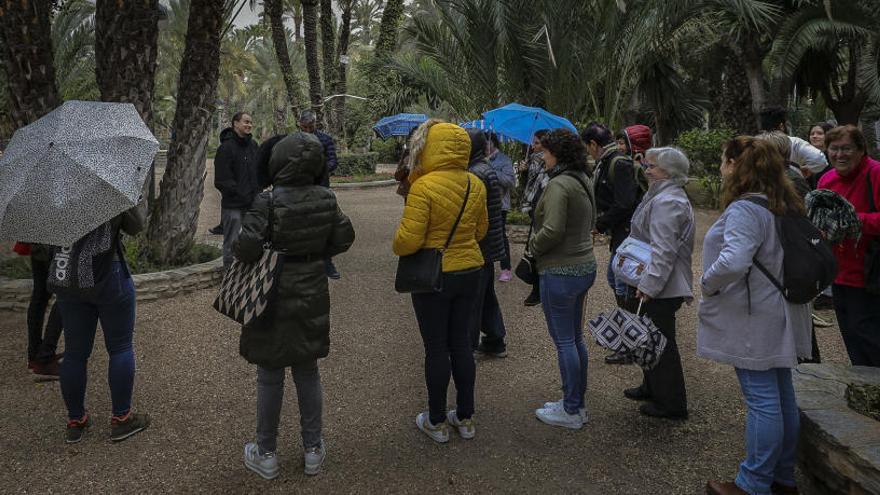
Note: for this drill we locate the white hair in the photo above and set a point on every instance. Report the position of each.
(671, 160)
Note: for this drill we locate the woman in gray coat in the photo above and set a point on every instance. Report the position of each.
(745, 321)
(665, 220)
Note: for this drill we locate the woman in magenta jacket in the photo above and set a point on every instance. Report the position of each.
(856, 177)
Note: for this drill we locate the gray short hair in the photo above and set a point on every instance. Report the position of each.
(308, 117)
(671, 160)
(780, 140)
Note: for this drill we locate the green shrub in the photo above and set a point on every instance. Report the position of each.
(388, 150)
(703, 148)
(16, 267)
(139, 262)
(516, 217)
(357, 163)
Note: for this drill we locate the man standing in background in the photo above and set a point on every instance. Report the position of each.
(235, 176)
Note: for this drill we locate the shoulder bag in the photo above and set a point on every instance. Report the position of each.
(248, 288)
(422, 271)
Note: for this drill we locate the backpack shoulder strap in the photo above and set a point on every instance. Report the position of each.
(773, 280)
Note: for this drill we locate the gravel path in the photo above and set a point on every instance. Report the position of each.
(201, 395)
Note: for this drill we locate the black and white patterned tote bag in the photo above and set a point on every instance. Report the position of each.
(631, 335)
(248, 288)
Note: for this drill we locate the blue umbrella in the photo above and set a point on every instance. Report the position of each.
(486, 126)
(398, 125)
(520, 122)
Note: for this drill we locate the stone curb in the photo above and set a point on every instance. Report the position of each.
(16, 294)
(364, 185)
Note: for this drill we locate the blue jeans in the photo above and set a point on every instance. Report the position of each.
(114, 306)
(562, 298)
(618, 286)
(772, 426)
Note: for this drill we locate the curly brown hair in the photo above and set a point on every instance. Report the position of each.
(568, 149)
(760, 168)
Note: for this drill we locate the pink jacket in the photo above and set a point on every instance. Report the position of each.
(850, 253)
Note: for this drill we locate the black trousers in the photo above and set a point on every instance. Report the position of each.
(445, 322)
(858, 315)
(505, 261)
(665, 383)
(42, 346)
(487, 314)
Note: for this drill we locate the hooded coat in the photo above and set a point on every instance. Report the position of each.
(439, 181)
(307, 226)
(235, 170)
(492, 246)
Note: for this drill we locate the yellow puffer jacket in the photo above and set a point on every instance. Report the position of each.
(435, 199)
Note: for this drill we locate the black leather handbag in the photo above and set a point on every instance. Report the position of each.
(422, 271)
(526, 270)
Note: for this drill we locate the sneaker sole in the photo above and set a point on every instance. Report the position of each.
(561, 425)
(260, 472)
(312, 471)
(550, 405)
(129, 434)
(431, 435)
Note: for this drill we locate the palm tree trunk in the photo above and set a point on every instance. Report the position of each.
(126, 36)
(297, 16)
(341, 83)
(176, 213)
(275, 12)
(328, 52)
(26, 50)
(313, 67)
(388, 28)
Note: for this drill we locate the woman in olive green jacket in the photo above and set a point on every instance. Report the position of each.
(562, 245)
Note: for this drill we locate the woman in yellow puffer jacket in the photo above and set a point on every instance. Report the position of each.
(440, 181)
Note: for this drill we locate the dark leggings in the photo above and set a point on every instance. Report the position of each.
(505, 261)
(445, 321)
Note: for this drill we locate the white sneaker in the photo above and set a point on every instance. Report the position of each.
(558, 405)
(266, 465)
(558, 417)
(438, 433)
(466, 427)
(314, 457)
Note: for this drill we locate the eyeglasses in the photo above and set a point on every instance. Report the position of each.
(843, 150)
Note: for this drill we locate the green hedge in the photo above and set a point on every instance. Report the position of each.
(357, 163)
(703, 148)
(387, 150)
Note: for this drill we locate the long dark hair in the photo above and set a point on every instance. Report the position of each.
(759, 168)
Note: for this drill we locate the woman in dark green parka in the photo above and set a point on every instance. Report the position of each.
(307, 226)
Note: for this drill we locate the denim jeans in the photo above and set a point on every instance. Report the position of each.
(505, 261)
(42, 344)
(562, 298)
(487, 314)
(772, 427)
(618, 286)
(114, 306)
(270, 397)
(445, 322)
(230, 220)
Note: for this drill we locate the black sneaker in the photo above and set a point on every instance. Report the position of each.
(122, 428)
(491, 352)
(218, 230)
(76, 430)
(534, 299)
(332, 272)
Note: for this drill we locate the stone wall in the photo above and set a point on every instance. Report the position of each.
(15, 294)
(839, 449)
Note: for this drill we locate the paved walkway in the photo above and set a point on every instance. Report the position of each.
(201, 395)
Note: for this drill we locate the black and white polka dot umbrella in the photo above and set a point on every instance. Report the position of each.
(72, 170)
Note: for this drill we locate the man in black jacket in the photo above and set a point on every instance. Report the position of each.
(308, 122)
(235, 176)
(487, 312)
(617, 195)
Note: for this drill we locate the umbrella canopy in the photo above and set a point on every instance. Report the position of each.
(398, 125)
(520, 122)
(484, 125)
(72, 170)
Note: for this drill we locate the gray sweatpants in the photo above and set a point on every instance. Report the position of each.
(270, 396)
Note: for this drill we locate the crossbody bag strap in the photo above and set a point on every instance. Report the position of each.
(467, 193)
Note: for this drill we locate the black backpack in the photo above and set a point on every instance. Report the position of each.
(81, 269)
(808, 263)
(639, 176)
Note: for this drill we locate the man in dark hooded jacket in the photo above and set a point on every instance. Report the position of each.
(487, 312)
(235, 176)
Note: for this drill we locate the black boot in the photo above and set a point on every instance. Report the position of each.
(534, 298)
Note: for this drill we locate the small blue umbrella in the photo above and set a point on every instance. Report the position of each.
(520, 122)
(484, 125)
(398, 125)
